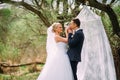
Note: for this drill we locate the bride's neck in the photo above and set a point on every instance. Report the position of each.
(56, 33)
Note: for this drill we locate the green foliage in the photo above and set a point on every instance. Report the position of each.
(5, 17)
(21, 34)
(49, 1)
(8, 52)
(5, 13)
(50, 14)
(114, 39)
(117, 11)
(23, 77)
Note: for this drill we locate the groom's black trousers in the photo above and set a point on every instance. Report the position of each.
(74, 68)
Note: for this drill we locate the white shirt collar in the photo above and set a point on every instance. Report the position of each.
(77, 29)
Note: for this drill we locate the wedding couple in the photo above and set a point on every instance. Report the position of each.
(63, 54)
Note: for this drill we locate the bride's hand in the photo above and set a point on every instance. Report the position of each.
(66, 30)
(69, 30)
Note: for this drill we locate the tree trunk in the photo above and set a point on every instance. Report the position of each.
(43, 18)
(111, 14)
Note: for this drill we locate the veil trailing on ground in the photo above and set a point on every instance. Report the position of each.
(97, 60)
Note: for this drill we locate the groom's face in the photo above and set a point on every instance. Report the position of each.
(72, 25)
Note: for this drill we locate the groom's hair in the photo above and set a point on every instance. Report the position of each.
(77, 22)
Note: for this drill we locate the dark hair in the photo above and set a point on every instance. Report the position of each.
(77, 22)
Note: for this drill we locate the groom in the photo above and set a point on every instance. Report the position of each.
(75, 42)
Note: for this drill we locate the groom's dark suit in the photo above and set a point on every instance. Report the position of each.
(75, 43)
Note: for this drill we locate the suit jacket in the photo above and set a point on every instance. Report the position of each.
(75, 45)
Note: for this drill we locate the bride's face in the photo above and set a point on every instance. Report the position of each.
(59, 28)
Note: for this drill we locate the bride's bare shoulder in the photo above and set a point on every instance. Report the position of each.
(57, 37)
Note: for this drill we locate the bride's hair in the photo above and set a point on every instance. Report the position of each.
(54, 26)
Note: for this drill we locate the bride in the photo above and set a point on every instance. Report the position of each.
(57, 65)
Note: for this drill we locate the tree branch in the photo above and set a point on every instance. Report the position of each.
(18, 65)
(43, 18)
(29, 7)
(37, 3)
(110, 12)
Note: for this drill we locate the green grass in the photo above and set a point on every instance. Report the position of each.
(30, 76)
(22, 74)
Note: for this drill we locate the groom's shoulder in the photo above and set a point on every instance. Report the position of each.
(80, 31)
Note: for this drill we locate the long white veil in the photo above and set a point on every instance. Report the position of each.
(51, 44)
(97, 60)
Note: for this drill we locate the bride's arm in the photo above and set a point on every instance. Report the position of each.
(60, 39)
(66, 32)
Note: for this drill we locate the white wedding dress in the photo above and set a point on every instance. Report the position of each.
(57, 65)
